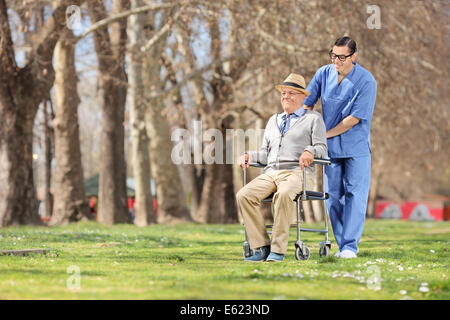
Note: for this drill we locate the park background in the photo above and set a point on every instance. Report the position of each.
(88, 105)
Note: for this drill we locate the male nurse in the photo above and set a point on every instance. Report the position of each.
(348, 93)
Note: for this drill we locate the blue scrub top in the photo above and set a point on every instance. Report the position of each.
(354, 96)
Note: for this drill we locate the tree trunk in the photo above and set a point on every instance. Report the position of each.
(170, 195)
(113, 206)
(217, 200)
(169, 192)
(21, 92)
(377, 173)
(230, 211)
(196, 171)
(197, 175)
(70, 198)
(48, 197)
(210, 209)
(110, 48)
(144, 212)
(18, 201)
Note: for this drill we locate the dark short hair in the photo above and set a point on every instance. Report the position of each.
(346, 42)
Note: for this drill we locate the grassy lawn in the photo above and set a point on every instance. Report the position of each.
(397, 260)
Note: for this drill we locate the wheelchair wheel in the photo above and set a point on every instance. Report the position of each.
(324, 251)
(302, 255)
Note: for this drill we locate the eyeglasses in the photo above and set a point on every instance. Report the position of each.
(341, 57)
(289, 93)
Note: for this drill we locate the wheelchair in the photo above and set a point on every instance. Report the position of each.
(302, 252)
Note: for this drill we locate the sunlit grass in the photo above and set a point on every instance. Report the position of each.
(397, 260)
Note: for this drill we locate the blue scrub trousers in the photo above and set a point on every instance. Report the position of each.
(348, 182)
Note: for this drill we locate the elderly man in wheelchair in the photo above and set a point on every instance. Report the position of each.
(293, 141)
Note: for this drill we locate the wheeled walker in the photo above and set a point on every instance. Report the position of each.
(301, 250)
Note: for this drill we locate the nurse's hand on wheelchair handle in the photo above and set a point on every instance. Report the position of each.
(306, 159)
(244, 161)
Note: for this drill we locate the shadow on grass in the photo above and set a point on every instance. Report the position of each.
(81, 239)
(403, 241)
(329, 259)
(47, 273)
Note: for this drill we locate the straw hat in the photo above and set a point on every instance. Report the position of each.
(294, 81)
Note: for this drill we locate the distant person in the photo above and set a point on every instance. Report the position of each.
(291, 138)
(348, 93)
(92, 208)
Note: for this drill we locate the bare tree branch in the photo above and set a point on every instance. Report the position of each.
(292, 49)
(43, 49)
(7, 60)
(198, 72)
(161, 32)
(125, 14)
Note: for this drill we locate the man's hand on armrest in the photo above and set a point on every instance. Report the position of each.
(244, 160)
(306, 159)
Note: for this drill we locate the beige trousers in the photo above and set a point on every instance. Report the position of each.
(286, 184)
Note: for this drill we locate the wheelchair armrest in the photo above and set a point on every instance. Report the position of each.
(322, 161)
(316, 161)
(309, 194)
(257, 165)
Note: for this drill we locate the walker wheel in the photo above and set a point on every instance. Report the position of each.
(324, 251)
(302, 255)
(247, 251)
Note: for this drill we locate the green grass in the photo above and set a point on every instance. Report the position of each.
(192, 261)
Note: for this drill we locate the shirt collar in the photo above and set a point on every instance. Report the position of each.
(297, 114)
